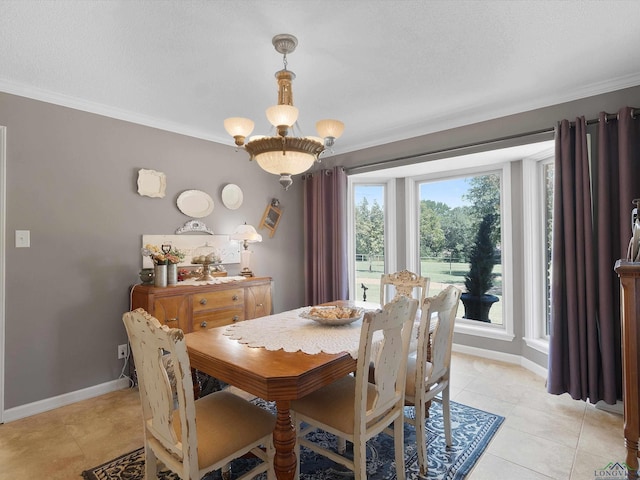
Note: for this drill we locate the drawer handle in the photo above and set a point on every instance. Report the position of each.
(203, 301)
(234, 298)
(203, 324)
(235, 318)
(260, 305)
(175, 319)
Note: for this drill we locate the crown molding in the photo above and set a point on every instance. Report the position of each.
(88, 106)
(453, 119)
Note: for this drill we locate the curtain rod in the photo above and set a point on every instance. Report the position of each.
(398, 160)
(635, 112)
(611, 116)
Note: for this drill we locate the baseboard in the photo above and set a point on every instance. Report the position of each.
(618, 408)
(47, 404)
(502, 357)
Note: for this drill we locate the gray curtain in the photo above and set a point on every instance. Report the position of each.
(325, 236)
(591, 230)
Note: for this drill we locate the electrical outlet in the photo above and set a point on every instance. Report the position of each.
(123, 351)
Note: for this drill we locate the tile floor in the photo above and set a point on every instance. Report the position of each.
(543, 436)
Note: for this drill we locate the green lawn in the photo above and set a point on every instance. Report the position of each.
(441, 274)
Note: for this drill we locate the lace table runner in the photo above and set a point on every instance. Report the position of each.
(292, 333)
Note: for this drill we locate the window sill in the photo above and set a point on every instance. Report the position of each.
(538, 344)
(482, 331)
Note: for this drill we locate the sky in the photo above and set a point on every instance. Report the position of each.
(448, 191)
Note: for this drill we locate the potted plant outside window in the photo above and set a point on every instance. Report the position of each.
(479, 280)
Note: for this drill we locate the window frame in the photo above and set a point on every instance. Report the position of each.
(441, 170)
(534, 230)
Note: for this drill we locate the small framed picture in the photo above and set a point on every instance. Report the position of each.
(270, 219)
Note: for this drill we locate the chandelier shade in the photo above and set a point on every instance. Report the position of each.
(282, 115)
(284, 154)
(239, 128)
(330, 128)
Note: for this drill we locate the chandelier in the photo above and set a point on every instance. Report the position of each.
(284, 154)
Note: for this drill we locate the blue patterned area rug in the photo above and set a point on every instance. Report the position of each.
(472, 429)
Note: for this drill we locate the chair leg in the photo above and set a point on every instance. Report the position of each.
(421, 436)
(271, 453)
(359, 458)
(296, 447)
(398, 446)
(342, 445)
(225, 472)
(446, 415)
(150, 463)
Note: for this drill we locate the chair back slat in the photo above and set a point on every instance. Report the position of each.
(160, 356)
(443, 307)
(395, 323)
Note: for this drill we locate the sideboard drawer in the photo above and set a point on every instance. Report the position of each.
(218, 318)
(209, 300)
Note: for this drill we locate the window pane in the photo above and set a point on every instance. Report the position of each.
(369, 238)
(451, 214)
(548, 223)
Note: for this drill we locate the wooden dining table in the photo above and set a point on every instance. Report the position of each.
(272, 375)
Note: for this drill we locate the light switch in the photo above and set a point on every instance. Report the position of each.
(23, 238)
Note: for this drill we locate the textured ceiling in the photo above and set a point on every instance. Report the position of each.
(389, 69)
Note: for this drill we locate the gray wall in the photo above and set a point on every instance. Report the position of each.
(72, 181)
(513, 125)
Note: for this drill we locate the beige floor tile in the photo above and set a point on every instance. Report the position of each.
(564, 405)
(602, 434)
(490, 467)
(483, 402)
(534, 453)
(498, 388)
(550, 425)
(589, 466)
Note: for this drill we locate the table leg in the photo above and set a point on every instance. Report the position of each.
(284, 440)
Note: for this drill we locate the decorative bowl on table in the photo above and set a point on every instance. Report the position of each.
(333, 315)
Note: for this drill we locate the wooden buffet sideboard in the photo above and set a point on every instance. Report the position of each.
(197, 307)
(629, 273)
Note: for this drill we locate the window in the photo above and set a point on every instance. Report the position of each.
(538, 214)
(451, 213)
(467, 192)
(441, 203)
(369, 244)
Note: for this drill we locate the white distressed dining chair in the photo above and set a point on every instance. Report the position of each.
(354, 409)
(429, 376)
(190, 437)
(403, 283)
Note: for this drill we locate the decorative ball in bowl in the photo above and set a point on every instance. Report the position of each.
(333, 315)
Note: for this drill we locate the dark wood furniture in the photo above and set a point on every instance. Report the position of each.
(192, 308)
(629, 273)
(273, 375)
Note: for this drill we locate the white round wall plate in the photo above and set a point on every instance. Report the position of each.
(195, 203)
(232, 196)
